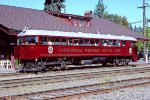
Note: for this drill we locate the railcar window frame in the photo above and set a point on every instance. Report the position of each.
(117, 43)
(75, 41)
(57, 43)
(50, 40)
(43, 40)
(123, 43)
(64, 42)
(30, 41)
(92, 42)
(87, 42)
(81, 41)
(70, 41)
(19, 42)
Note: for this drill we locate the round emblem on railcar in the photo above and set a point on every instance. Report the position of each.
(50, 49)
(130, 50)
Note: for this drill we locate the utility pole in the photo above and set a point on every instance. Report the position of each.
(144, 27)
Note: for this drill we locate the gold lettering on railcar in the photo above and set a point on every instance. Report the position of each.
(69, 50)
(92, 50)
(107, 50)
(111, 50)
(117, 50)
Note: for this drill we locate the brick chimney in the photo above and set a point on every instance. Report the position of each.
(88, 13)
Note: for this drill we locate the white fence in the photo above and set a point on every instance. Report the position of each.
(5, 64)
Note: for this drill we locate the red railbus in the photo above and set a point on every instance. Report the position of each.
(39, 49)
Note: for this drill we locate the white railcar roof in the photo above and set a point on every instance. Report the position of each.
(74, 34)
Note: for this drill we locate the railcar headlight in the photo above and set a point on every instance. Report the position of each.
(36, 59)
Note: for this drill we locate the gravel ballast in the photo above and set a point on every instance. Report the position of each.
(140, 93)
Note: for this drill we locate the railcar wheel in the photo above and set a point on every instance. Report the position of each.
(127, 62)
(59, 68)
(42, 68)
(104, 64)
(115, 62)
(123, 62)
(63, 65)
(54, 68)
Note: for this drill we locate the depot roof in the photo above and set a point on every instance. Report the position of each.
(17, 18)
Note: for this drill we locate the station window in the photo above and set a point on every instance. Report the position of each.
(75, 22)
(81, 23)
(87, 24)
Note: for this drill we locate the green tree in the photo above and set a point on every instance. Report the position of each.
(101, 12)
(140, 43)
(54, 5)
(148, 35)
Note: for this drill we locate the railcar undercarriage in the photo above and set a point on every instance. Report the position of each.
(43, 64)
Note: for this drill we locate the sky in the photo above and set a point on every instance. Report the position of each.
(127, 8)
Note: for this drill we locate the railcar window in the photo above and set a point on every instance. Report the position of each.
(110, 43)
(75, 22)
(100, 42)
(70, 42)
(57, 41)
(123, 43)
(105, 43)
(133, 44)
(43, 40)
(116, 43)
(96, 42)
(50, 40)
(87, 42)
(81, 42)
(63, 41)
(19, 41)
(76, 41)
(29, 40)
(36, 39)
(92, 42)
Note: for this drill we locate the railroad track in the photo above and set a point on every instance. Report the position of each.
(84, 90)
(6, 84)
(9, 74)
(68, 77)
(18, 74)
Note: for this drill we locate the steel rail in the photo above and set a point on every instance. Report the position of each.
(69, 77)
(85, 90)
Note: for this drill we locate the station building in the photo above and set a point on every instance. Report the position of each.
(14, 19)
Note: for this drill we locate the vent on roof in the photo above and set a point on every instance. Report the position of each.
(25, 29)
